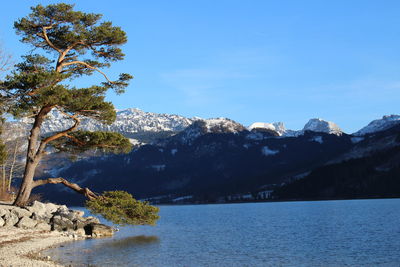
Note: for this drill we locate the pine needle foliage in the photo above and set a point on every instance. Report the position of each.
(121, 208)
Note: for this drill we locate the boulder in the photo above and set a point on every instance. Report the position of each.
(98, 230)
(2, 222)
(50, 207)
(43, 208)
(79, 224)
(37, 207)
(61, 224)
(80, 232)
(26, 223)
(69, 214)
(21, 212)
(91, 219)
(42, 217)
(4, 212)
(11, 219)
(75, 214)
(43, 226)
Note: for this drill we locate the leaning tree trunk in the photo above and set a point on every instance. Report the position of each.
(27, 185)
(32, 159)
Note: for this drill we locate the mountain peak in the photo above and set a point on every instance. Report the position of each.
(278, 127)
(320, 125)
(205, 126)
(386, 122)
(223, 125)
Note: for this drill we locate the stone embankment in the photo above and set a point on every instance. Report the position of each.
(51, 217)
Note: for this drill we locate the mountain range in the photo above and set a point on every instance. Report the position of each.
(147, 127)
(217, 160)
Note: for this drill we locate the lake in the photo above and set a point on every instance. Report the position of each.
(315, 233)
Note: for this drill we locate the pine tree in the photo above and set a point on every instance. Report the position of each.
(69, 44)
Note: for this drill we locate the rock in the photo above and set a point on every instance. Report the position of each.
(26, 223)
(2, 222)
(37, 207)
(43, 226)
(63, 208)
(91, 219)
(98, 230)
(43, 208)
(51, 208)
(72, 214)
(21, 212)
(76, 214)
(42, 212)
(4, 212)
(11, 219)
(44, 217)
(61, 224)
(80, 232)
(78, 224)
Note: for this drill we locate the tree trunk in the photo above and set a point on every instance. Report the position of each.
(32, 159)
(27, 184)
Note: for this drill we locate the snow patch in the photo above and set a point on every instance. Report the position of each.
(266, 151)
(357, 139)
(159, 167)
(255, 136)
(179, 199)
(174, 151)
(317, 139)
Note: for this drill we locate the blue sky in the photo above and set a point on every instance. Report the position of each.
(252, 60)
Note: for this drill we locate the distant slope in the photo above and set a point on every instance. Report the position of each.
(373, 171)
(214, 160)
(207, 163)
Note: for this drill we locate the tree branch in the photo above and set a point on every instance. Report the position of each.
(84, 191)
(88, 66)
(63, 55)
(46, 38)
(47, 140)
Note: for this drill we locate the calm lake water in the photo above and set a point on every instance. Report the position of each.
(320, 233)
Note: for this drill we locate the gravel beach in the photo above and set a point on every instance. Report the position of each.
(20, 247)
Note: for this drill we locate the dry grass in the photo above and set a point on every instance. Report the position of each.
(7, 196)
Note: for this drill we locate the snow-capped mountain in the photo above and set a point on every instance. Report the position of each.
(130, 120)
(205, 126)
(379, 125)
(313, 125)
(322, 126)
(278, 127)
(147, 127)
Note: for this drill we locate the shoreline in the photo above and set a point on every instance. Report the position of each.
(26, 232)
(273, 201)
(21, 247)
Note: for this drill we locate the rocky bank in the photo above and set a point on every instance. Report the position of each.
(24, 232)
(51, 217)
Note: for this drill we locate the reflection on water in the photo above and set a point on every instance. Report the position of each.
(323, 233)
(128, 242)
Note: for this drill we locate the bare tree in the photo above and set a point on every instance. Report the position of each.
(5, 61)
(14, 136)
